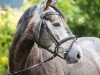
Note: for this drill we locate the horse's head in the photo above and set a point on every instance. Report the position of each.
(52, 33)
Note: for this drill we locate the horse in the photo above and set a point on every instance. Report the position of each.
(44, 45)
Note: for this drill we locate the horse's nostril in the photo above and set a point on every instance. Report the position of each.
(78, 56)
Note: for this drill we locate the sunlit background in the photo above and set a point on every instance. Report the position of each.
(83, 17)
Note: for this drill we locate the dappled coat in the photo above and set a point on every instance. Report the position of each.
(24, 52)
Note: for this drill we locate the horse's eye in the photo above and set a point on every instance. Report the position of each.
(56, 24)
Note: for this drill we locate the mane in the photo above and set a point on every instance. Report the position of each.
(19, 43)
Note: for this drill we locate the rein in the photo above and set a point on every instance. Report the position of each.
(57, 43)
(26, 69)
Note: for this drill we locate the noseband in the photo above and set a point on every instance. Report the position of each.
(57, 43)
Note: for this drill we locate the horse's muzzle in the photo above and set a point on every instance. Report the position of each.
(73, 56)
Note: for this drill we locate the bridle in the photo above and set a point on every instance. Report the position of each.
(57, 43)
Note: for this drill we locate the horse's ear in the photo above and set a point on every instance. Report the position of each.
(53, 2)
(50, 2)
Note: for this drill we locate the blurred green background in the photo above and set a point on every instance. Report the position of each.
(83, 17)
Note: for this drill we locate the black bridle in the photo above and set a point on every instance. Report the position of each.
(57, 43)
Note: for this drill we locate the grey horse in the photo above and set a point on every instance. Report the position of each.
(36, 40)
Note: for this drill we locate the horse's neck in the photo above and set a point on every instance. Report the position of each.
(19, 53)
(56, 66)
(37, 55)
(27, 54)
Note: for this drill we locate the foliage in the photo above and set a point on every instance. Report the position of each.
(8, 21)
(83, 16)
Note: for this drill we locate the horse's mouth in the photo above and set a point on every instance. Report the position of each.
(72, 62)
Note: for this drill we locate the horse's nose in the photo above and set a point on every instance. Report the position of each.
(73, 57)
(78, 56)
